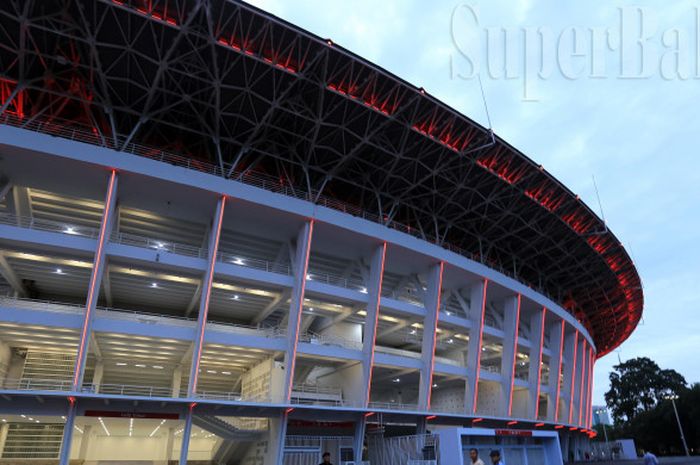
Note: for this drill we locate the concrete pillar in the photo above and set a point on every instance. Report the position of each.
(186, 431)
(296, 304)
(511, 317)
(64, 457)
(374, 293)
(573, 386)
(477, 310)
(3, 436)
(570, 338)
(84, 442)
(169, 445)
(177, 382)
(97, 376)
(359, 439)
(583, 376)
(98, 266)
(421, 426)
(276, 440)
(432, 310)
(537, 327)
(5, 357)
(207, 281)
(556, 345)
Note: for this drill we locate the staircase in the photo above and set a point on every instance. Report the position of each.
(224, 429)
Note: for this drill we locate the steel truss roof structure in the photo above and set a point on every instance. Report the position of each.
(221, 81)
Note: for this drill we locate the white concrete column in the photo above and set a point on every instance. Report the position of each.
(537, 327)
(359, 439)
(296, 304)
(64, 457)
(556, 346)
(584, 377)
(98, 266)
(207, 281)
(3, 436)
(477, 310)
(276, 439)
(511, 318)
(570, 350)
(432, 310)
(374, 295)
(84, 442)
(97, 376)
(169, 445)
(176, 382)
(186, 431)
(590, 389)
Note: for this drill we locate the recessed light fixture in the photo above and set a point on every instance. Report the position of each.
(140, 365)
(434, 385)
(154, 285)
(397, 380)
(238, 261)
(213, 372)
(311, 309)
(363, 290)
(449, 313)
(121, 364)
(235, 297)
(157, 367)
(450, 341)
(308, 276)
(59, 271)
(69, 230)
(225, 372)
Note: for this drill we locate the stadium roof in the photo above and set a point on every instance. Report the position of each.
(225, 82)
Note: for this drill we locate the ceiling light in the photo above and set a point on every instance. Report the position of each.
(363, 290)
(120, 364)
(159, 245)
(238, 261)
(211, 371)
(450, 341)
(69, 230)
(434, 385)
(449, 313)
(236, 297)
(413, 331)
(308, 276)
(154, 285)
(311, 309)
(23, 416)
(157, 367)
(397, 380)
(59, 271)
(225, 372)
(140, 365)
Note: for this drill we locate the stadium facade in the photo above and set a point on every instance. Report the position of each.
(224, 239)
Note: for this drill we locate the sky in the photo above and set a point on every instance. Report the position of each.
(588, 89)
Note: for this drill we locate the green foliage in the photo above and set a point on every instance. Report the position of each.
(638, 385)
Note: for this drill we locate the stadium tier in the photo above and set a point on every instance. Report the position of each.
(226, 240)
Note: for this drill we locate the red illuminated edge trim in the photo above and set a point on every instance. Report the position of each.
(376, 322)
(197, 356)
(539, 364)
(301, 306)
(93, 279)
(515, 357)
(573, 379)
(558, 381)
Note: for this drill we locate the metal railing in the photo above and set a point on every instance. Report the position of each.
(128, 390)
(158, 245)
(67, 130)
(255, 263)
(392, 406)
(336, 280)
(264, 331)
(329, 340)
(29, 222)
(32, 384)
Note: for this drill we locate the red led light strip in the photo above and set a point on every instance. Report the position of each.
(573, 379)
(196, 356)
(581, 394)
(481, 339)
(93, 281)
(376, 322)
(561, 353)
(590, 389)
(301, 306)
(162, 17)
(346, 91)
(539, 364)
(515, 357)
(437, 313)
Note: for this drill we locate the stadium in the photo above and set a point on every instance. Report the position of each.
(226, 240)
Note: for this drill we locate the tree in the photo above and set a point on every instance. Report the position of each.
(638, 385)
